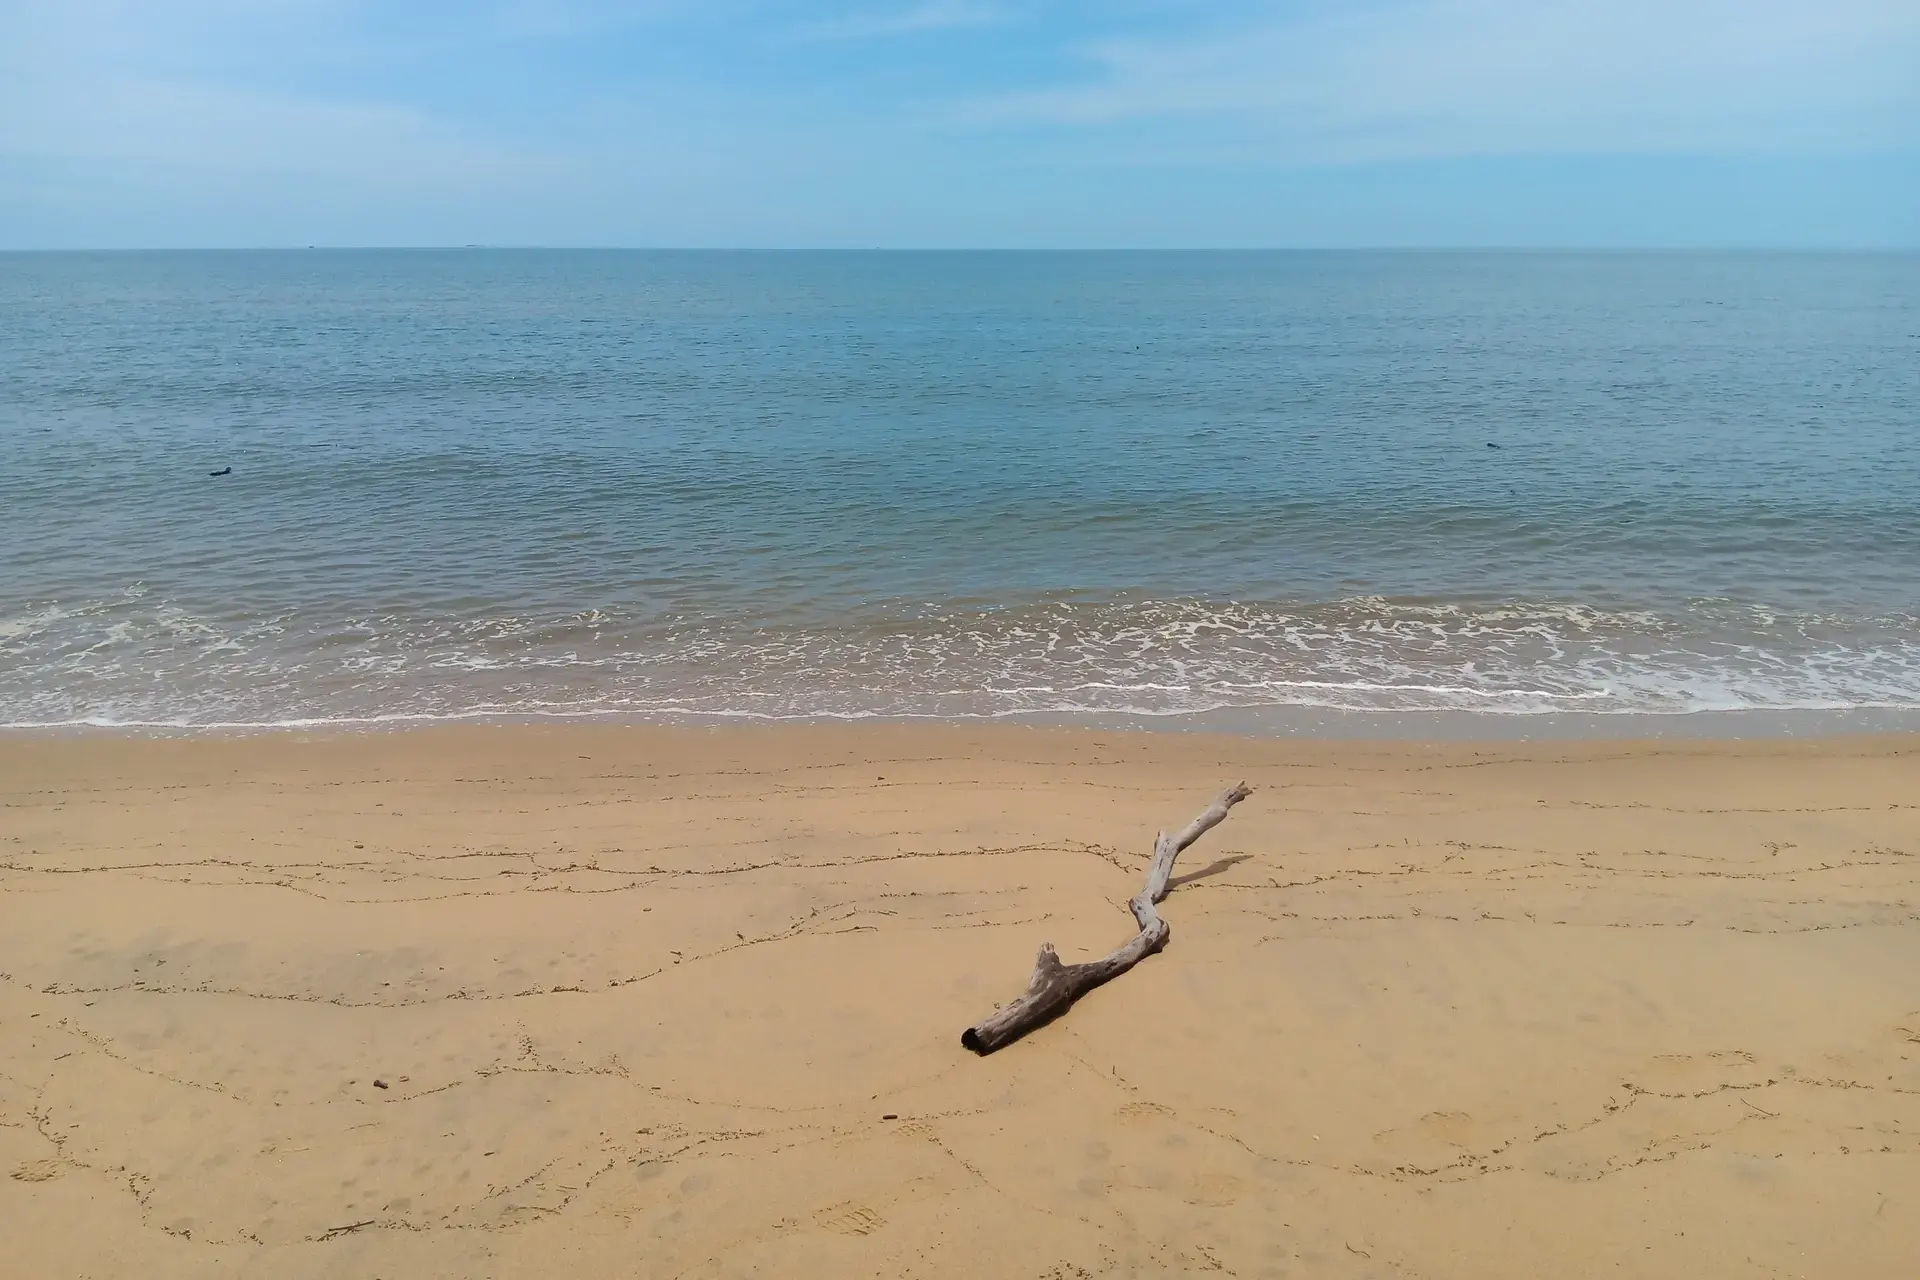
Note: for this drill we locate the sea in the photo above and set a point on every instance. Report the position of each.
(1288, 492)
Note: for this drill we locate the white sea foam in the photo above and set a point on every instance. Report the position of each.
(133, 662)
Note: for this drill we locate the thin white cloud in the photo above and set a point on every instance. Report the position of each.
(936, 15)
(541, 19)
(214, 128)
(275, 120)
(1427, 77)
(165, 84)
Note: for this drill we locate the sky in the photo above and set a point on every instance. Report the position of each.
(960, 123)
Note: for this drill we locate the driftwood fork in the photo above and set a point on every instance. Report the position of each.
(1055, 986)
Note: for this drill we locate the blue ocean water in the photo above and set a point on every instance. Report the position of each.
(675, 485)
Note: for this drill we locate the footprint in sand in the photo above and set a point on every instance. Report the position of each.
(1687, 1074)
(38, 1171)
(1217, 1190)
(850, 1219)
(1437, 1142)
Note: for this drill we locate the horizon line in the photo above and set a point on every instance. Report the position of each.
(535, 247)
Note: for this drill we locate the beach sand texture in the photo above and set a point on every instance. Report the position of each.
(674, 1002)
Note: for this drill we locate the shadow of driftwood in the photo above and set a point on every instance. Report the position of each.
(1213, 868)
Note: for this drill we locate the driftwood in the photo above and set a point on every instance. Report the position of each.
(1055, 986)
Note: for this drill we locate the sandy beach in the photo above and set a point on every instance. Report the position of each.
(606, 1001)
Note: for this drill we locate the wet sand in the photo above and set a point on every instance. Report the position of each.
(590, 1002)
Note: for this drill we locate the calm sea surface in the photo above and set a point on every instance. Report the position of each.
(954, 485)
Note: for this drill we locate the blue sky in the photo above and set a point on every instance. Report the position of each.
(960, 122)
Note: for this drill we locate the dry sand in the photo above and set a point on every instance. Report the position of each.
(659, 1003)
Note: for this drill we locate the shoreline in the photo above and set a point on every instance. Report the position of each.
(1254, 723)
(598, 1000)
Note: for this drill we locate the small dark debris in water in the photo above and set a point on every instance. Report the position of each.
(224, 471)
(890, 1116)
(1492, 445)
(379, 1084)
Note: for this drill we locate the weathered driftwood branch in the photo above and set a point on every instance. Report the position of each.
(1056, 986)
